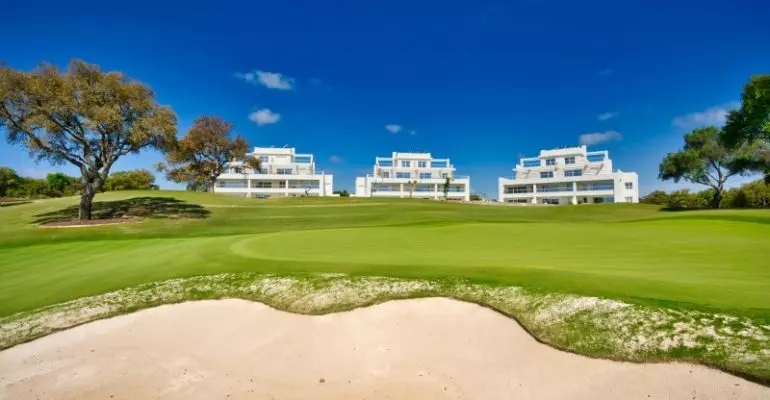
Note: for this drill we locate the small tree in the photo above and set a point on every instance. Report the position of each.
(137, 179)
(447, 182)
(703, 160)
(63, 184)
(84, 117)
(205, 152)
(9, 181)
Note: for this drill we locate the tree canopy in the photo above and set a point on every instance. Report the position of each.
(750, 124)
(84, 117)
(752, 120)
(205, 152)
(704, 160)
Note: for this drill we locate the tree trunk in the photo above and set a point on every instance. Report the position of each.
(86, 201)
(717, 199)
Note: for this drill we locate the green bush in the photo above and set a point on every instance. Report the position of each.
(30, 188)
(137, 179)
(9, 180)
(751, 195)
(681, 199)
(658, 197)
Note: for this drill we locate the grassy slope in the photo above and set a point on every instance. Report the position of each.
(707, 260)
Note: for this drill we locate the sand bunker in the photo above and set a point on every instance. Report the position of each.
(411, 349)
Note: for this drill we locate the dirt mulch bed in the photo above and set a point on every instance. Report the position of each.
(74, 223)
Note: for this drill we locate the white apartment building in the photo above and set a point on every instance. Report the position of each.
(570, 175)
(416, 175)
(283, 173)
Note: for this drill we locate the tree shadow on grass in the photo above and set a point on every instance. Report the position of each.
(143, 207)
(4, 203)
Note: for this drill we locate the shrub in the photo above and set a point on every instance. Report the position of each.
(658, 197)
(9, 181)
(750, 195)
(681, 199)
(137, 179)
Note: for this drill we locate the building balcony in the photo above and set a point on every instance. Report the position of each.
(272, 176)
(458, 179)
(559, 178)
(271, 190)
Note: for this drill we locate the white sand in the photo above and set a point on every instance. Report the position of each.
(412, 349)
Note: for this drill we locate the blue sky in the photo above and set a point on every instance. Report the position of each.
(482, 83)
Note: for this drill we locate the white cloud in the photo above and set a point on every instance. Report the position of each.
(270, 80)
(599, 137)
(711, 116)
(607, 115)
(605, 72)
(393, 128)
(335, 159)
(412, 132)
(264, 117)
(275, 80)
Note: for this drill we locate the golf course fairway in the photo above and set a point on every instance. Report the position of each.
(690, 285)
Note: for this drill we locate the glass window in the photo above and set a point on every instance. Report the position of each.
(444, 175)
(405, 163)
(422, 164)
(573, 172)
(402, 175)
(629, 185)
(550, 161)
(284, 171)
(264, 159)
(531, 163)
(629, 199)
(425, 175)
(595, 157)
(569, 160)
(522, 189)
(587, 186)
(231, 184)
(385, 163)
(548, 174)
(438, 164)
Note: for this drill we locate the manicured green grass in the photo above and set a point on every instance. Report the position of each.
(707, 260)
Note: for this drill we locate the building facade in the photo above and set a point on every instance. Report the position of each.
(283, 173)
(571, 175)
(416, 175)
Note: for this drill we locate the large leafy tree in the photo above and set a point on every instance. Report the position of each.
(750, 125)
(84, 117)
(704, 160)
(205, 152)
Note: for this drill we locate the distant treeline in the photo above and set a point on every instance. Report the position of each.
(751, 195)
(58, 184)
